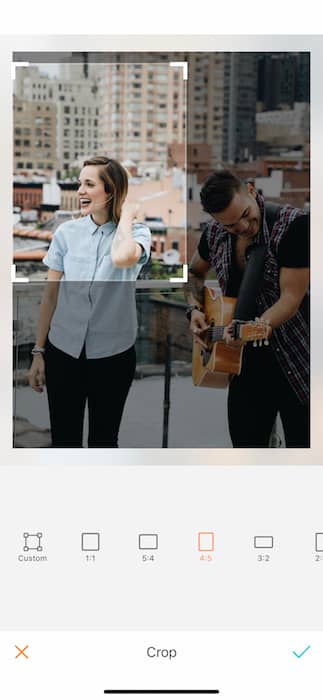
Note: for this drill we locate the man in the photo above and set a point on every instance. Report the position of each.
(274, 378)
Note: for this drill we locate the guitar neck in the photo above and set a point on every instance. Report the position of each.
(247, 331)
(215, 333)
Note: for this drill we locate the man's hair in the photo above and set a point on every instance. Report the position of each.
(115, 179)
(218, 191)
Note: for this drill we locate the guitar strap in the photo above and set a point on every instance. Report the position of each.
(253, 274)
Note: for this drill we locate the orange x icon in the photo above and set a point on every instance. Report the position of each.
(22, 651)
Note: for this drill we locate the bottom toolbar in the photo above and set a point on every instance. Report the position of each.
(231, 665)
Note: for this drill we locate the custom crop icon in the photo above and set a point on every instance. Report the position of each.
(33, 541)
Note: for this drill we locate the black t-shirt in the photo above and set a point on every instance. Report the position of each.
(293, 251)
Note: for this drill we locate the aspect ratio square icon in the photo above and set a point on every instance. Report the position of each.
(148, 541)
(90, 541)
(263, 542)
(206, 541)
(319, 541)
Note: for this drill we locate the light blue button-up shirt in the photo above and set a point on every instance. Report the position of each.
(96, 300)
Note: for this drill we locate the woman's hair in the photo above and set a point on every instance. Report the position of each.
(115, 179)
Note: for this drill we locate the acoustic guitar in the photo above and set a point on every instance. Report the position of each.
(215, 365)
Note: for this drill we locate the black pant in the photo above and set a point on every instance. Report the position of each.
(255, 398)
(104, 383)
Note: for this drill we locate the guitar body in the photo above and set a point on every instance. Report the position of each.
(214, 368)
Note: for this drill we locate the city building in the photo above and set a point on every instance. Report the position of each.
(76, 103)
(27, 193)
(142, 110)
(35, 143)
(240, 99)
(69, 195)
(288, 127)
(221, 104)
(283, 78)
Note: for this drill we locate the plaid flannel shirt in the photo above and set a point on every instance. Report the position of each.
(290, 341)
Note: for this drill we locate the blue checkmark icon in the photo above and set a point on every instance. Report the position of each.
(299, 656)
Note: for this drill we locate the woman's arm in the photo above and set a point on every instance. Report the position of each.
(125, 251)
(47, 306)
(46, 310)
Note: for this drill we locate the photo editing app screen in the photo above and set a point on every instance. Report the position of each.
(161, 482)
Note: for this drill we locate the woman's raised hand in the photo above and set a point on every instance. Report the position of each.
(130, 209)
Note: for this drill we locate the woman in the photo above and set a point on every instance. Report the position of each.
(87, 321)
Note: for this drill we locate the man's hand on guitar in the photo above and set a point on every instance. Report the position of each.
(257, 331)
(197, 326)
(228, 336)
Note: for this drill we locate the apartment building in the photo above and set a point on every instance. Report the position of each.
(76, 101)
(142, 111)
(222, 104)
(133, 110)
(35, 144)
